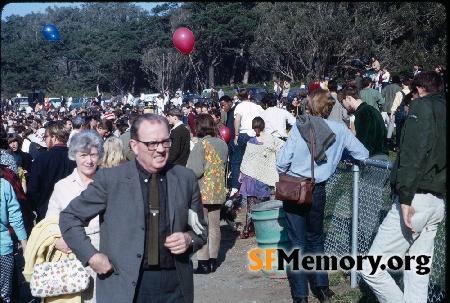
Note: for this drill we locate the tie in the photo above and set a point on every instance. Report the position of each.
(153, 200)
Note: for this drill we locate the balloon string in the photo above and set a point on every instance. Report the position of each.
(93, 67)
(197, 78)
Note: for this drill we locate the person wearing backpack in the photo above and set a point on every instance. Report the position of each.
(398, 114)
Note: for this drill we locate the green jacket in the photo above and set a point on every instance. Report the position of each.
(421, 163)
(370, 129)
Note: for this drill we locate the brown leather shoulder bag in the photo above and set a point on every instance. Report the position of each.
(294, 189)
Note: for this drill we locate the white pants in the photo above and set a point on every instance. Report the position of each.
(393, 239)
(390, 125)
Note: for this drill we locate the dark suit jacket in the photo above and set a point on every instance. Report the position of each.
(181, 145)
(48, 168)
(116, 195)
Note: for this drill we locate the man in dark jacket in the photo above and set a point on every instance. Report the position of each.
(369, 125)
(419, 180)
(48, 168)
(181, 138)
(226, 103)
(146, 234)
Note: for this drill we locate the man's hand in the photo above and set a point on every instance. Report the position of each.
(236, 140)
(194, 223)
(61, 245)
(178, 242)
(407, 213)
(100, 264)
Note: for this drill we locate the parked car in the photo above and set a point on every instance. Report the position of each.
(76, 103)
(195, 98)
(256, 93)
(55, 102)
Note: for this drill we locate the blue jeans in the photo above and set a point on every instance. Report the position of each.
(236, 160)
(305, 231)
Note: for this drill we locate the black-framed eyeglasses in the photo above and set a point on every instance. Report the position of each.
(153, 145)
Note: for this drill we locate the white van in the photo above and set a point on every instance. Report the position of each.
(206, 93)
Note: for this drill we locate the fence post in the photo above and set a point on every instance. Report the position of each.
(355, 222)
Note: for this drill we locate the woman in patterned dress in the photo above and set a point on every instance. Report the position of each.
(208, 159)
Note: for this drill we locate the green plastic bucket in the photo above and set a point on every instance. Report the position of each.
(271, 233)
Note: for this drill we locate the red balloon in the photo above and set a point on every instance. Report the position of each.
(184, 40)
(225, 133)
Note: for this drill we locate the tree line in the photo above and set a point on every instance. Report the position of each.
(122, 48)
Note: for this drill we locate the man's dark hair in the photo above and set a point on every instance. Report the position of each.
(290, 107)
(269, 100)
(396, 79)
(199, 104)
(366, 82)
(175, 112)
(430, 81)
(20, 128)
(216, 112)
(332, 86)
(106, 124)
(349, 90)
(225, 98)
(243, 94)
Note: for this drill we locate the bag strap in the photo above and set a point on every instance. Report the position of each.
(312, 152)
(50, 252)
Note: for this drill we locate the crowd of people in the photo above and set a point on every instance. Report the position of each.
(135, 191)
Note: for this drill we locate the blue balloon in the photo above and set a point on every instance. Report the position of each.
(50, 32)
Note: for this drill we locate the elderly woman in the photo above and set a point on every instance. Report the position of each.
(86, 148)
(208, 159)
(305, 222)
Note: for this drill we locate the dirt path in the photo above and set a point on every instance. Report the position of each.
(233, 282)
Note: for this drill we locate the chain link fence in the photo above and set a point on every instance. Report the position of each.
(374, 204)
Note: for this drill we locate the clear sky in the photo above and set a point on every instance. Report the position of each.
(23, 9)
